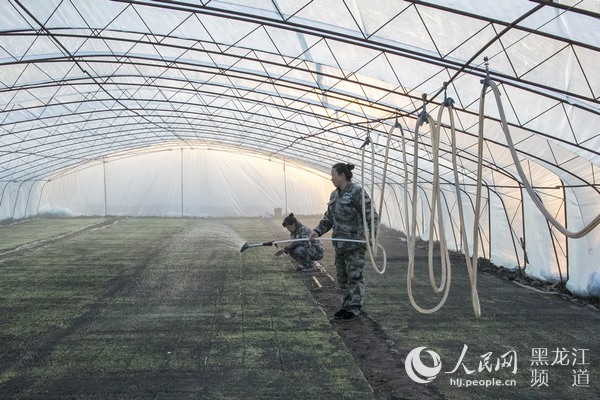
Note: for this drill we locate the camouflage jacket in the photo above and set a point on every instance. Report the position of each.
(344, 215)
(302, 232)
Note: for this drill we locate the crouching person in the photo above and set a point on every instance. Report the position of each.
(305, 253)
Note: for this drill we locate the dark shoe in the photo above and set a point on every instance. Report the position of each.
(338, 315)
(348, 316)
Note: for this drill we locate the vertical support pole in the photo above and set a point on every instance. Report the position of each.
(17, 200)
(285, 188)
(566, 227)
(523, 240)
(182, 182)
(489, 201)
(28, 198)
(39, 200)
(104, 180)
(2, 198)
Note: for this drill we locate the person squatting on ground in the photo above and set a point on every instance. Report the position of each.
(305, 254)
(344, 215)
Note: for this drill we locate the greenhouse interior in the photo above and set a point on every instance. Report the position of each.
(472, 125)
(184, 108)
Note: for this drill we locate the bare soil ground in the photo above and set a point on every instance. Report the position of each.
(378, 356)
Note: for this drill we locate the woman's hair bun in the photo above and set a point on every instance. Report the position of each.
(289, 220)
(350, 166)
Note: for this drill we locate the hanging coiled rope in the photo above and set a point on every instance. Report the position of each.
(373, 244)
(435, 211)
(436, 206)
(412, 234)
(436, 214)
(471, 263)
(536, 200)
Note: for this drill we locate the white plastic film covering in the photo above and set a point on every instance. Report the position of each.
(186, 182)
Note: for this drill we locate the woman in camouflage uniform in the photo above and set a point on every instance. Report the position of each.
(344, 215)
(304, 253)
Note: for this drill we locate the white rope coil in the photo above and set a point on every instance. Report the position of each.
(436, 214)
(534, 197)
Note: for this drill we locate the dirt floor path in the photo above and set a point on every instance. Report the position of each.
(378, 356)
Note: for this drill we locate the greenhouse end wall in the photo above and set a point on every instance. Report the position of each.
(186, 182)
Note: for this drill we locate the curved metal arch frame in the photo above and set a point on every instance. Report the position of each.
(336, 36)
(179, 89)
(268, 79)
(232, 85)
(386, 48)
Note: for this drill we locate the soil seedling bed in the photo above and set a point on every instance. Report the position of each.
(167, 308)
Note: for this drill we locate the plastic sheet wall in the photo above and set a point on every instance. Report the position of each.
(186, 182)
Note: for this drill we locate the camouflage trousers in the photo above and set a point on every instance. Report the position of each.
(306, 255)
(349, 266)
